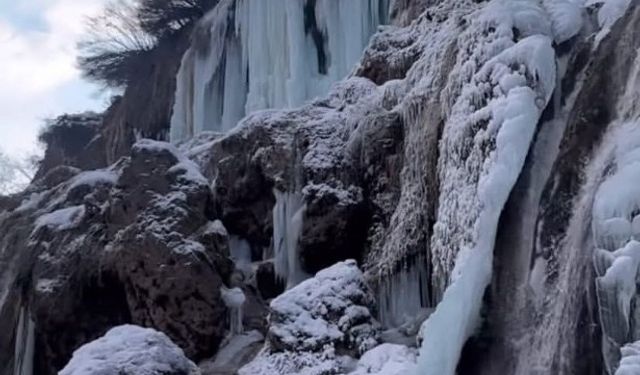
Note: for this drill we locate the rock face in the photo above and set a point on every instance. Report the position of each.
(128, 244)
(130, 350)
(71, 141)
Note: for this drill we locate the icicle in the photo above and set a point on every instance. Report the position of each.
(234, 299)
(279, 54)
(403, 295)
(288, 216)
(25, 344)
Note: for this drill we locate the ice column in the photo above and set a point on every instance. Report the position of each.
(288, 216)
(25, 344)
(234, 298)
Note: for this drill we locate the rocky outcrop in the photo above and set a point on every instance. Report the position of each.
(72, 140)
(127, 244)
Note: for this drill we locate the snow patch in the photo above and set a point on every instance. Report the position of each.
(62, 219)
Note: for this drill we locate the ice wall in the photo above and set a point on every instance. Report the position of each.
(249, 55)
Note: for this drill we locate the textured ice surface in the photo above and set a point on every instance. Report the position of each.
(484, 146)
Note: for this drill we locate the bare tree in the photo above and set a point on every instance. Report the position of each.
(163, 17)
(114, 44)
(118, 40)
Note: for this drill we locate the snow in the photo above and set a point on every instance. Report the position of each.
(327, 308)
(234, 298)
(387, 359)
(130, 349)
(292, 363)
(504, 113)
(47, 285)
(250, 55)
(288, 214)
(185, 168)
(93, 178)
(311, 322)
(62, 219)
(32, 201)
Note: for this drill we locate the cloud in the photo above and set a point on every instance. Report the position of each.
(38, 76)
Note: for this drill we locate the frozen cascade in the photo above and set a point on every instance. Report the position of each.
(234, 298)
(25, 344)
(240, 252)
(505, 122)
(249, 55)
(287, 224)
(617, 261)
(403, 295)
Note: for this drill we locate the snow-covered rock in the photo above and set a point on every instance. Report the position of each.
(130, 350)
(387, 359)
(318, 325)
(332, 308)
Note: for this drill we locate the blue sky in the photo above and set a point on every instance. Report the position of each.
(38, 76)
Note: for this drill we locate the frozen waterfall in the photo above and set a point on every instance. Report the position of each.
(500, 107)
(287, 225)
(234, 299)
(248, 55)
(25, 344)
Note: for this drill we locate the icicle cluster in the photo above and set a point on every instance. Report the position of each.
(403, 295)
(249, 55)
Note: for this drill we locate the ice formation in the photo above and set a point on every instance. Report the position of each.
(403, 295)
(617, 260)
(25, 344)
(240, 252)
(234, 299)
(253, 54)
(287, 225)
(489, 132)
(630, 363)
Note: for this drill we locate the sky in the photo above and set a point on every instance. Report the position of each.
(38, 74)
